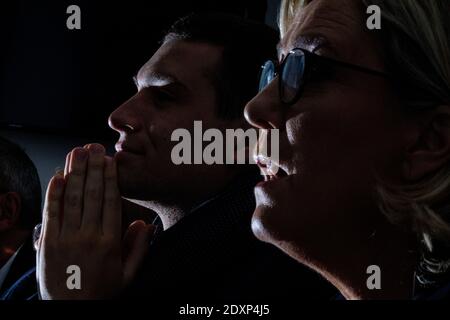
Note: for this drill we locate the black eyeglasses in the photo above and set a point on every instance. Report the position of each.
(297, 68)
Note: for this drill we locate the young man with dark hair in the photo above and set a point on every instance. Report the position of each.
(206, 70)
(20, 212)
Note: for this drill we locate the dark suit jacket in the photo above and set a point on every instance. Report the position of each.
(212, 255)
(20, 282)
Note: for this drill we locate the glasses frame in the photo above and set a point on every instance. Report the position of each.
(312, 63)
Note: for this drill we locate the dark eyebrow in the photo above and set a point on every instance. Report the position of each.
(157, 79)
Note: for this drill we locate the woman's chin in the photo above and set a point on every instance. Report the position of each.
(264, 226)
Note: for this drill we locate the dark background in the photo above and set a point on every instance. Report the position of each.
(68, 81)
(58, 86)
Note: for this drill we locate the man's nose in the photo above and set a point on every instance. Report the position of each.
(123, 119)
(265, 110)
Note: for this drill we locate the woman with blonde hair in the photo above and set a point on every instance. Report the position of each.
(361, 190)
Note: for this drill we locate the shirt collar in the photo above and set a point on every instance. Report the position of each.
(6, 267)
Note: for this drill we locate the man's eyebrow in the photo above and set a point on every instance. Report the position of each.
(156, 79)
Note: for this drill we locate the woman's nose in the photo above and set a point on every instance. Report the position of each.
(265, 110)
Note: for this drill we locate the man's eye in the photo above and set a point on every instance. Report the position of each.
(163, 96)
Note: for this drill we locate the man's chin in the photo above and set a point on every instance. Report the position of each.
(124, 156)
(134, 188)
(130, 191)
(130, 181)
(129, 186)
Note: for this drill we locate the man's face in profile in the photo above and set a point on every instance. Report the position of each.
(175, 88)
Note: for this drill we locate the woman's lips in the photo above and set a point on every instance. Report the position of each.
(271, 170)
(270, 167)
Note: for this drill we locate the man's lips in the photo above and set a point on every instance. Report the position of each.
(123, 146)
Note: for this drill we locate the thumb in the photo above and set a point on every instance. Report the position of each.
(136, 242)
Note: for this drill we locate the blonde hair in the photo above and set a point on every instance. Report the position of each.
(416, 35)
(288, 9)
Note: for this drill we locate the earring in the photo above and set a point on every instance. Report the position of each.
(434, 264)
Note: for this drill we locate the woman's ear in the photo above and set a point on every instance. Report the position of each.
(431, 149)
(10, 209)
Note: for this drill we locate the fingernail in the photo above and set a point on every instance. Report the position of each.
(58, 182)
(96, 148)
(80, 154)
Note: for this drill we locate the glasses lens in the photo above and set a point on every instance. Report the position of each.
(292, 76)
(267, 75)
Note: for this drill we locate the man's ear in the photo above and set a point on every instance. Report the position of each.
(431, 149)
(10, 207)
